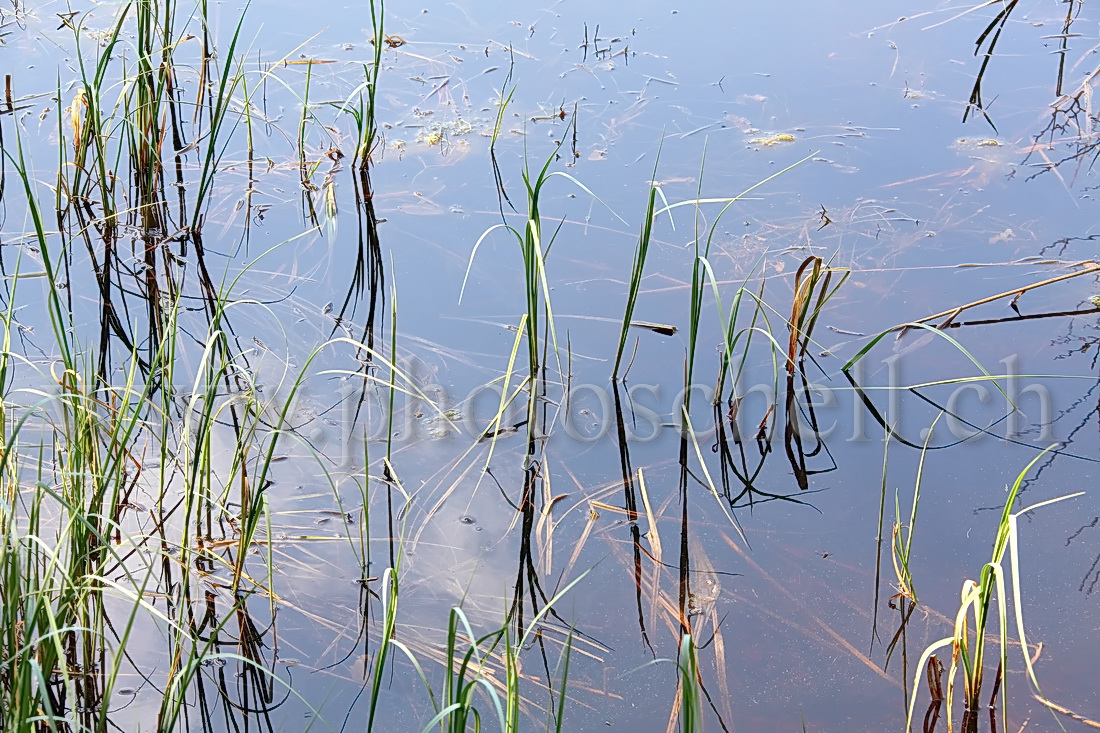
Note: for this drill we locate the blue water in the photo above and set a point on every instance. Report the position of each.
(708, 101)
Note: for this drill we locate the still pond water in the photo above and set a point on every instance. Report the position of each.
(776, 581)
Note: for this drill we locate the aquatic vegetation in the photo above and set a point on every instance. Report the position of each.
(637, 270)
(968, 652)
(297, 433)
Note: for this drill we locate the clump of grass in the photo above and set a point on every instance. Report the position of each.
(534, 246)
(490, 665)
(701, 268)
(968, 643)
(368, 124)
(85, 569)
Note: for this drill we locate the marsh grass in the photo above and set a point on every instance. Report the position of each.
(690, 691)
(93, 576)
(736, 475)
(128, 123)
(641, 252)
(71, 555)
(483, 675)
(970, 639)
(905, 600)
(84, 576)
(140, 541)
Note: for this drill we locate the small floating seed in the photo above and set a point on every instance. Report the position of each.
(466, 519)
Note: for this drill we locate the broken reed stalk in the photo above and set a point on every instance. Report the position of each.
(1090, 266)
